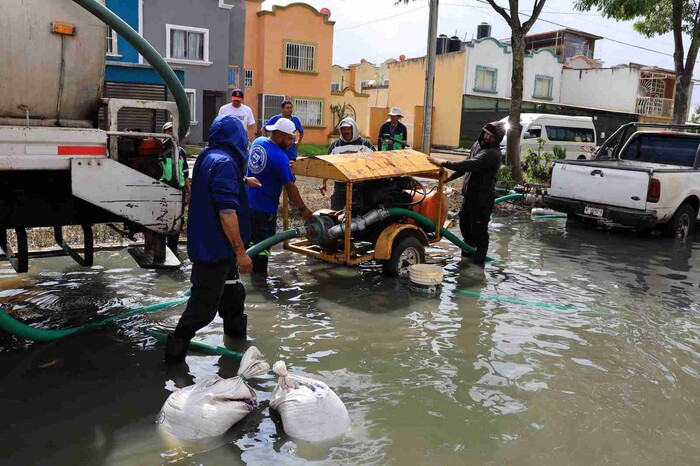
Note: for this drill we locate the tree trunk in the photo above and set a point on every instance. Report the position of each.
(680, 102)
(516, 103)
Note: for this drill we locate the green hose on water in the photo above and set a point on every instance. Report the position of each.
(508, 197)
(150, 54)
(272, 240)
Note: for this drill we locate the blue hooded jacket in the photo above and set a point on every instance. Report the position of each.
(217, 184)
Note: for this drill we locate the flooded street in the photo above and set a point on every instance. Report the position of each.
(609, 374)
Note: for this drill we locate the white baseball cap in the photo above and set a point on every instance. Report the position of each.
(283, 124)
(168, 125)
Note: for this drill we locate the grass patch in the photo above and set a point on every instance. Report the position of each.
(306, 150)
(193, 150)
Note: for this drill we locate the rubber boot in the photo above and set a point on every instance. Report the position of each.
(175, 350)
(236, 327)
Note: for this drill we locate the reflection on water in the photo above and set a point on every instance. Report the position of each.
(610, 377)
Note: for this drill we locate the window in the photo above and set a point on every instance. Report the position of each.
(232, 76)
(187, 44)
(659, 148)
(300, 57)
(364, 83)
(270, 106)
(248, 78)
(534, 130)
(335, 87)
(543, 87)
(568, 134)
(309, 111)
(192, 100)
(111, 46)
(486, 79)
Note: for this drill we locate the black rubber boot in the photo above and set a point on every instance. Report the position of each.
(175, 350)
(236, 327)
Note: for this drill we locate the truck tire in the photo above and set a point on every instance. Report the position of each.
(681, 225)
(405, 252)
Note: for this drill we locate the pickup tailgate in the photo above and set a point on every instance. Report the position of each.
(601, 183)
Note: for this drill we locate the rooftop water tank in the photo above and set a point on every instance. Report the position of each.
(455, 44)
(442, 44)
(33, 75)
(483, 30)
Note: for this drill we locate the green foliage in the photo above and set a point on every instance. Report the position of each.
(505, 177)
(538, 163)
(695, 117)
(339, 113)
(306, 150)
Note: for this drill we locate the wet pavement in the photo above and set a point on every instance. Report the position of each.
(610, 375)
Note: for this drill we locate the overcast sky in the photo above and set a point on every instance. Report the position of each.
(379, 29)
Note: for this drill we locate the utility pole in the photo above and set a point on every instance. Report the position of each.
(431, 57)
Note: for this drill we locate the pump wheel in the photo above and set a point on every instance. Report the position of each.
(406, 252)
(681, 225)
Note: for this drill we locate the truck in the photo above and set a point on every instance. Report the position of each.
(57, 167)
(645, 176)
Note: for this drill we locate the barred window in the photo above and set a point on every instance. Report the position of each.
(300, 57)
(486, 79)
(248, 78)
(309, 112)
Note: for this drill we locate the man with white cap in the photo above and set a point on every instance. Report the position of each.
(393, 134)
(269, 163)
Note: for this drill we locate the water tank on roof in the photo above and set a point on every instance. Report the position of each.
(326, 11)
(442, 44)
(30, 60)
(402, 57)
(455, 44)
(483, 30)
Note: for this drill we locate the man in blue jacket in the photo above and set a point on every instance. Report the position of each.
(218, 228)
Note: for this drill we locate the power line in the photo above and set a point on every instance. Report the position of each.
(381, 19)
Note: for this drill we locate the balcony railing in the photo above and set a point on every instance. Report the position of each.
(654, 106)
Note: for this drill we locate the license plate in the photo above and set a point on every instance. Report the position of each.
(594, 211)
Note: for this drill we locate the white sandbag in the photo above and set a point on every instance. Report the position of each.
(309, 409)
(211, 407)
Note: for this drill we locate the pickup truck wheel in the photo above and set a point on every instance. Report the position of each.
(681, 225)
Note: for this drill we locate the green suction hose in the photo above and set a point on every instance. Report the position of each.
(150, 54)
(508, 197)
(19, 329)
(201, 347)
(428, 224)
(272, 240)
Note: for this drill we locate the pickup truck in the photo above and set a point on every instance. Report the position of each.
(645, 176)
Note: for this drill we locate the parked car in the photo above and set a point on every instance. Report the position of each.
(644, 176)
(575, 134)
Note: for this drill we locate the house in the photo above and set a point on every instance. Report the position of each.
(127, 76)
(473, 86)
(202, 42)
(360, 76)
(205, 39)
(288, 53)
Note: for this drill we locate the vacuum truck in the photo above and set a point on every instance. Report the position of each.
(57, 167)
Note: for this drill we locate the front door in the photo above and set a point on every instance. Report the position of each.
(213, 101)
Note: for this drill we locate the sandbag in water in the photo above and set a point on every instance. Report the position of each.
(211, 407)
(309, 409)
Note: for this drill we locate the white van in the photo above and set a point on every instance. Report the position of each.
(575, 134)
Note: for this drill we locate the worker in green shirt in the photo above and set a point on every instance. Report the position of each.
(183, 174)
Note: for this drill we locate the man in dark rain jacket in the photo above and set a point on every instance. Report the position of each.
(479, 188)
(218, 228)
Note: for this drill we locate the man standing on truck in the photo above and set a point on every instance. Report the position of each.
(287, 109)
(269, 163)
(479, 190)
(393, 134)
(241, 111)
(218, 228)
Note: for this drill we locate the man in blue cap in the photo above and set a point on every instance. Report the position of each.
(218, 229)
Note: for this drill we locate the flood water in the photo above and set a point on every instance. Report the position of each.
(610, 375)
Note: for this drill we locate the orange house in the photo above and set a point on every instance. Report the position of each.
(288, 54)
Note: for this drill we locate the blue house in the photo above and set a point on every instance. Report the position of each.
(203, 41)
(128, 76)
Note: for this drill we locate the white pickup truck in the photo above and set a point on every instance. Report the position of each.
(645, 176)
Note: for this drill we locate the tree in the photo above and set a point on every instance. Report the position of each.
(519, 30)
(695, 117)
(655, 17)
